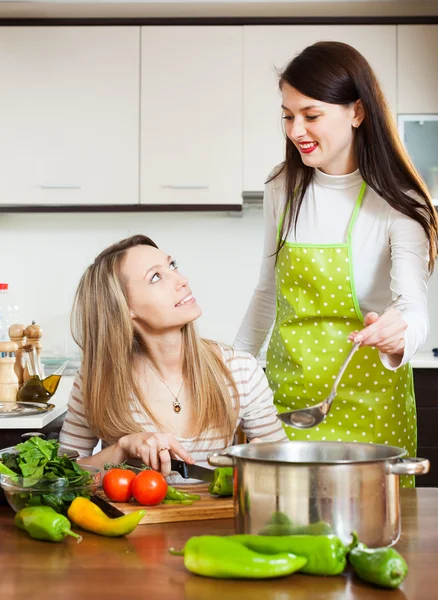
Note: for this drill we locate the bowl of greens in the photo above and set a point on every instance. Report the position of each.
(34, 473)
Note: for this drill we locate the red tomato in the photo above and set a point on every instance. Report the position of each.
(149, 488)
(117, 484)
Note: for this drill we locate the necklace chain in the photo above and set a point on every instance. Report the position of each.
(176, 402)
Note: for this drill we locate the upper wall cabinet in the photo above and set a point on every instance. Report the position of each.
(69, 115)
(417, 69)
(267, 49)
(191, 115)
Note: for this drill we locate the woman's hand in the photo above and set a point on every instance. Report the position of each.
(386, 333)
(154, 449)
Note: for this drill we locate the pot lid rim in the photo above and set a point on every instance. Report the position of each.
(397, 455)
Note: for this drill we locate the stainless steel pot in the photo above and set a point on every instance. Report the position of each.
(349, 486)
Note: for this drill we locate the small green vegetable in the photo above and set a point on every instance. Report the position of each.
(325, 554)
(6, 471)
(384, 567)
(43, 523)
(174, 496)
(222, 484)
(222, 558)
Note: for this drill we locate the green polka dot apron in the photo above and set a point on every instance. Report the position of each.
(317, 308)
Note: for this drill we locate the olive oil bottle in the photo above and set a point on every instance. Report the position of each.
(33, 390)
(52, 381)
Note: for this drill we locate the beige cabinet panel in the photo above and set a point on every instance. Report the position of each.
(267, 49)
(69, 115)
(191, 115)
(417, 66)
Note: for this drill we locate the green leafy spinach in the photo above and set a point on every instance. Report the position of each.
(52, 480)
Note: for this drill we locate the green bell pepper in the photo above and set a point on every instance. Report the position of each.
(384, 567)
(325, 554)
(44, 523)
(223, 558)
(222, 484)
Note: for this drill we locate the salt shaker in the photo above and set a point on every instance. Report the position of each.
(9, 384)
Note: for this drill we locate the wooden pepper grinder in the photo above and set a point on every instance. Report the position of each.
(16, 333)
(8, 379)
(33, 334)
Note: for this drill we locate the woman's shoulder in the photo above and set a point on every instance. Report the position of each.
(276, 180)
(379, 203)
(235, 359)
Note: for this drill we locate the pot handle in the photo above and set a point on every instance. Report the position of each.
(409, 466)
(220, 460)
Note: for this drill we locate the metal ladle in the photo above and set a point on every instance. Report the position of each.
(304, 418)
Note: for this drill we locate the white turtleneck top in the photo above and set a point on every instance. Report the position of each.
(390, 256)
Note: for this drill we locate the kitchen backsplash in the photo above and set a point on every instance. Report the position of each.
(44, 255)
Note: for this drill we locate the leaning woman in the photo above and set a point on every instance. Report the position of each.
(349, 226)
(148, 386)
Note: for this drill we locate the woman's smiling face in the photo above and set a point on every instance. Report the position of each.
(323, 133)
(159, 295)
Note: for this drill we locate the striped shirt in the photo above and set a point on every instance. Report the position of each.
(257, 413)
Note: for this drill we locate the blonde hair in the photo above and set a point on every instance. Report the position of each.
(102, 327)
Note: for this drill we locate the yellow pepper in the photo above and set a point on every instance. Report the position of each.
(90, 517)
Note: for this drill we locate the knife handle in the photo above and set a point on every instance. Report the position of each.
(180, 467)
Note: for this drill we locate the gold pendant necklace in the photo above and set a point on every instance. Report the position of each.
(176, 403)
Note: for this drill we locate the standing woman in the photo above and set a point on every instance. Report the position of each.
(349, 225)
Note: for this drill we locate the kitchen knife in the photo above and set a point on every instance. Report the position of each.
(185, 470)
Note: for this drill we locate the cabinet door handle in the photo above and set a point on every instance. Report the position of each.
(186, 187)
(60, 187)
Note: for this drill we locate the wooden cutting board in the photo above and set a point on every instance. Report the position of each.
(208, 507)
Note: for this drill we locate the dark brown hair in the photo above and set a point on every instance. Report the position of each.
(337, 73)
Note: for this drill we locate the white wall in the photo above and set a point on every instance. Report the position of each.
(44, 255)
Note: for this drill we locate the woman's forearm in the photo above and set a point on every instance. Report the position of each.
(112, 454)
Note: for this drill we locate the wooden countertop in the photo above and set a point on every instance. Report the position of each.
(139, 566)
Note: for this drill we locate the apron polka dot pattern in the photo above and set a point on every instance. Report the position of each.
(316, 310)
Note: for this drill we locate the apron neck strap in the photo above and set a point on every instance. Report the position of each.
(356, 209)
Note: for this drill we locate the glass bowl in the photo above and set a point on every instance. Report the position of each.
(58, 493)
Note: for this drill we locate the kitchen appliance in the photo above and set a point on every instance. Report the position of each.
(343, 487)
(419, 133)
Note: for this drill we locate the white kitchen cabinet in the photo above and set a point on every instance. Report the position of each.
(69, 115)
(417, 66)
(268, 49)
(191, 115)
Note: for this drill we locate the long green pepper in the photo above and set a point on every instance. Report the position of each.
(223, 558)
(174, 496)
(325, 554)
(44, 523)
